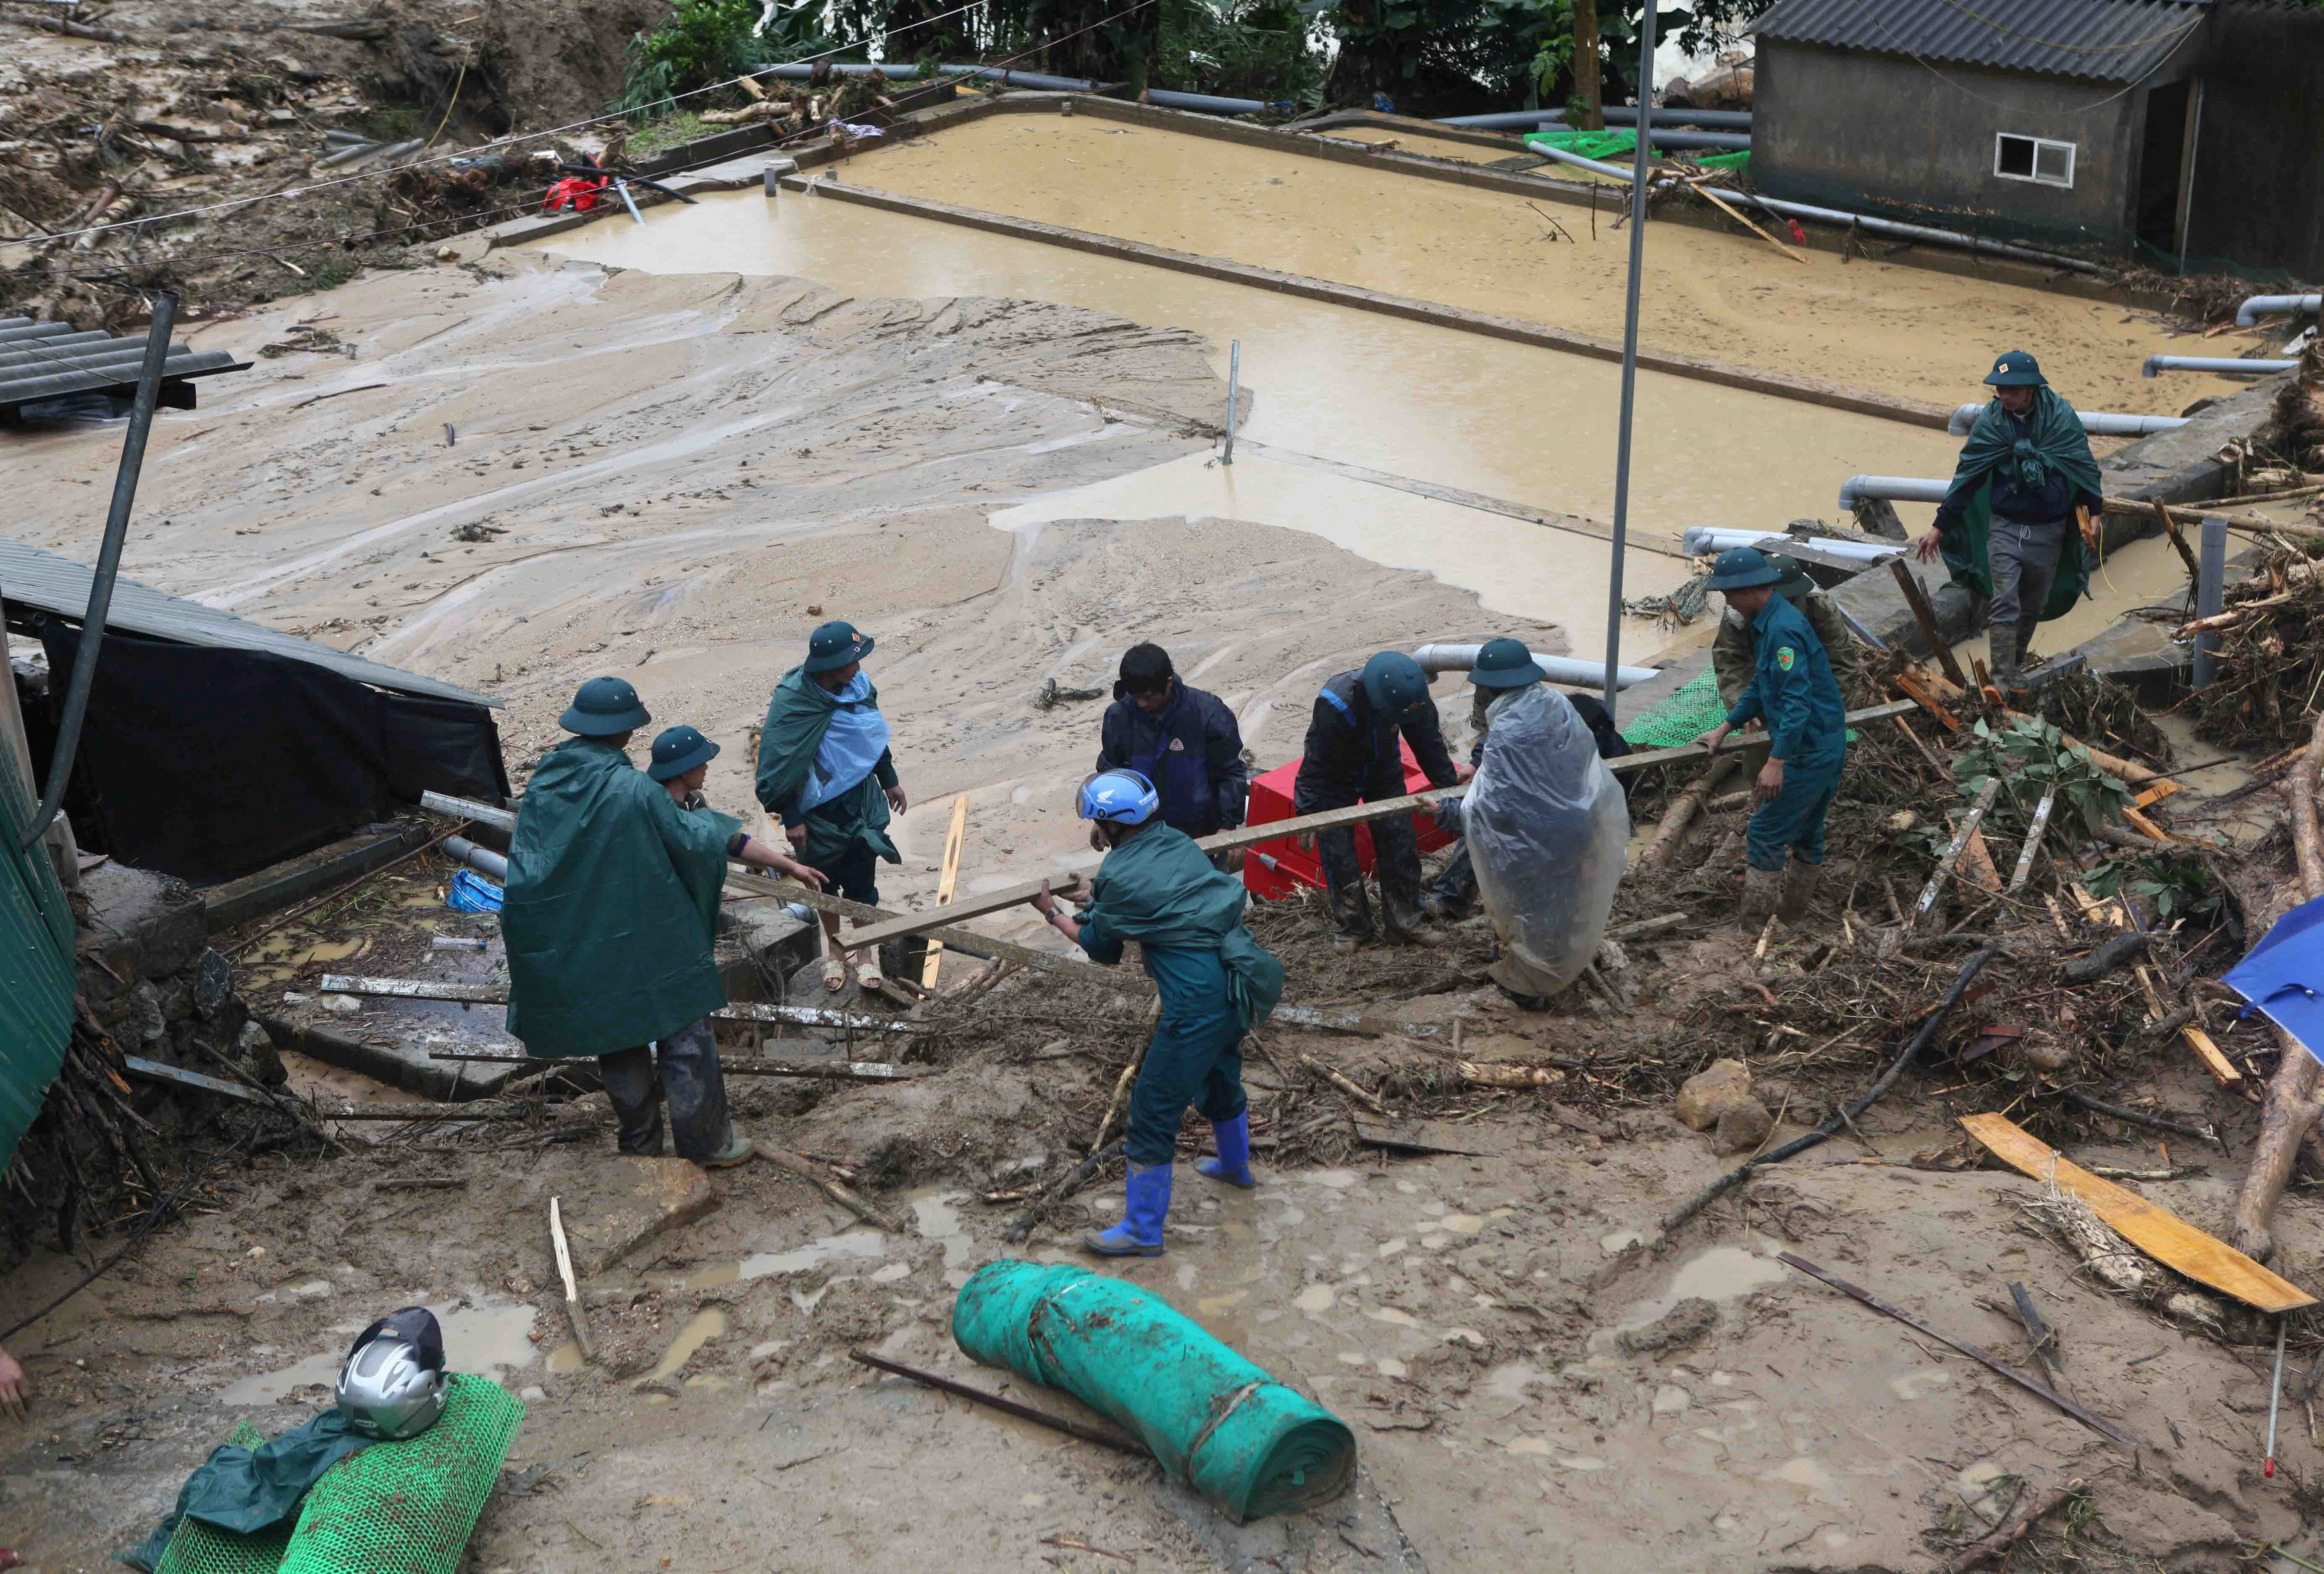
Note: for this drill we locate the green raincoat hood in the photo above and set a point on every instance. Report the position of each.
(1159, 888)
(612, 907)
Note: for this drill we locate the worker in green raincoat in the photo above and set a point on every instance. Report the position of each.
(610, 910)
(1217, 983)
(826, 772)
(2018, 521)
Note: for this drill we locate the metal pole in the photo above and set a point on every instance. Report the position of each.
(1234, 378)
(629, 201)
(1629, 357)
(2209, 588)
(108, 563)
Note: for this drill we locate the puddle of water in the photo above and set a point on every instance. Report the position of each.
(855, 1245)
(1720, 1273)
(1391, 1315)
(1314, 1298)
(937, 1215)
(1918, 1384)
(1212, 1305)
(1508, 1383)
(1538, 1446)
(1620, 1241)
(1391, 1367)
(566, 1357)
(489, 1337)
(700, 1329)
(1813, 1476)
(1337, 1180)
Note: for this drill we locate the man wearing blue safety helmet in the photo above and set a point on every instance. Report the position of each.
(2007, 526)
(1351, 757)
(611, 911)
(1216, 983)
(1793, 689)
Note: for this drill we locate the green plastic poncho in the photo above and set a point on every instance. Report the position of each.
(1159, 889)
(1213, 1419)
(251, 1489)
(796, 719)
(2055, 439)
(612, 907)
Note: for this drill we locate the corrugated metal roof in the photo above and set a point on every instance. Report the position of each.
(48, 360)
(59, 585)
(2106, 40)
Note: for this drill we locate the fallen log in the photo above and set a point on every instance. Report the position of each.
(1682, 814)
(2290, 1108)
(2140, 1117)
(2119, 951)
(1488, 1074)
(497, 995)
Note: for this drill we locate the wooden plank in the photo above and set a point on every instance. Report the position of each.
(154, 1071)
(967, 941)
(1417, 1136)
(829, 1070)
(497, 995)
(1954, 849)
(2147, 827)
(1977, 861)
(2152, 1230)
(2223, 1070)
(954, 838)
(1910, 682)
(1918, 600)
(1017, 895)
(2034, 840)
(2095, 1421)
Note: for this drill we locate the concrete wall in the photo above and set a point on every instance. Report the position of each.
(1887, 135)
(2259, 199)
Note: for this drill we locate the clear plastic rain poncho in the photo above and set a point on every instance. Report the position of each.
(1548, 831)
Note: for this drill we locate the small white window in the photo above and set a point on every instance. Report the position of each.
(2031, 158)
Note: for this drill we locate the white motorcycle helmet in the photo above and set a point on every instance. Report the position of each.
(391, 1384)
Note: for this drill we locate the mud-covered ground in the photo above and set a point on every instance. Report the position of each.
(1529, 1388)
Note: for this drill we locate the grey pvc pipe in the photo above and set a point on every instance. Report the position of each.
(1738, 119)
(1595, 166)
(2210, 586)
(1916, 232)
(2258, 305)
(1565, 669)
(1900, 488)
(1204, 102)
(483, 859)
(108, 567)
(2105, 423)
(2230, 365)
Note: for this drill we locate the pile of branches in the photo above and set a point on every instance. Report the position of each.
(824, 98)
(2270, 657)
(2297, 431)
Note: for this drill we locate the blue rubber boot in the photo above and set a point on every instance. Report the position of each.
(1233, 1163)
(1140, 1233)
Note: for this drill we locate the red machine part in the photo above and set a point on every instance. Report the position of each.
(1280, 868)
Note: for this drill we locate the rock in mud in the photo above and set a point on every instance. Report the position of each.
(1742, 1125)
(1708, 1093)
(1675, 1329)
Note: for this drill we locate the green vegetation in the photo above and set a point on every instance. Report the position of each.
(669, 131)
(2031, 758)
(704, 43)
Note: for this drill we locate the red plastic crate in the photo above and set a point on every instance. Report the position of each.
(1291, 869)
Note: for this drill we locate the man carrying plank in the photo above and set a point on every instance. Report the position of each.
(1351, 757)
(1807, 727)
(1216, 984)
(611, 908)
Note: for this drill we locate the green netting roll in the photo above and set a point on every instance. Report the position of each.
(195, 1548)
(1691, 710)
(408, 1507)
(1247, 1443)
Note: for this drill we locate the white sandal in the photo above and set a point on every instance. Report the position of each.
(868, 976)
(834, 974)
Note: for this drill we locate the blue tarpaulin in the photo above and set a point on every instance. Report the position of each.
(2283, 976)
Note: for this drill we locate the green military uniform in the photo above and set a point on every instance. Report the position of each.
(1734, 656)
(1791, 685)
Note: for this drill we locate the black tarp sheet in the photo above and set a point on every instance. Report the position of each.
(210, 763)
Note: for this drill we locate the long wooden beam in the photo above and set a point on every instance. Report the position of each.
(1364, 813)
(497, 995)
(1017, 895)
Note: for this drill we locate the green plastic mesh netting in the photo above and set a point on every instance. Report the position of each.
(200, 1549)
(1686, 716)
(408, 1507)
(1612, 146)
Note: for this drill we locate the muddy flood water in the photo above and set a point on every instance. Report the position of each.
(1899, 329)
(1433, 404)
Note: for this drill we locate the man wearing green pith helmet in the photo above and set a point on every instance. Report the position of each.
(2009, 525)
